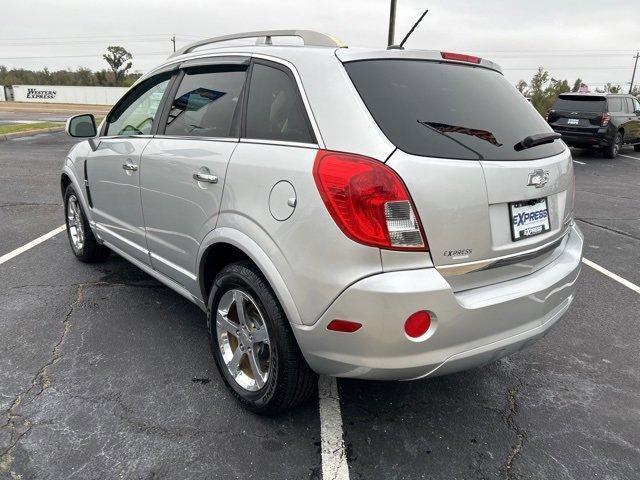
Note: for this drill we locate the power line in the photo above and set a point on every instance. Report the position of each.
(71, 37)
(564, 67)
(47, 57)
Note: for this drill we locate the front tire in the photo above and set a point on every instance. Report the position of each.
(83, 243)
(253, 345)
(636, 148)
(612, 150)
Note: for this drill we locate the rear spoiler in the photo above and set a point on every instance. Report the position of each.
(347, 55)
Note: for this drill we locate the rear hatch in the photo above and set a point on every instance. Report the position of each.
(457, 128)
(581, 114)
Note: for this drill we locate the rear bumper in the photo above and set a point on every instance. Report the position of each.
(469, 328)
(589, 138)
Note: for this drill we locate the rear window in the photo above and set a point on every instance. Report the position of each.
(447, 110)
(581, 104)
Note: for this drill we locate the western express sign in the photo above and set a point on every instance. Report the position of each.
(41, 94)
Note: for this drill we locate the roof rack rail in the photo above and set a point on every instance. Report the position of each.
(309, 37)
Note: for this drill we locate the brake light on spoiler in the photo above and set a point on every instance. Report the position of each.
(460, 57)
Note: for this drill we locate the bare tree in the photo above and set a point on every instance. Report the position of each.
(118, 60)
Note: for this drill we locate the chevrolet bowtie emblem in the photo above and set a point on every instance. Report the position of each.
(538, 178)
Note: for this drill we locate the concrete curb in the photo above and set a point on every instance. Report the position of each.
(28, 133)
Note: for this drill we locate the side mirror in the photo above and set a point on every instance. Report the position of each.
(82, 126)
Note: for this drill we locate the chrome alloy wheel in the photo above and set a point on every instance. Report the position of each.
(74, 223)
(243, 340)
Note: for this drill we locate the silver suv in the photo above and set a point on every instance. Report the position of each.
(375, 214)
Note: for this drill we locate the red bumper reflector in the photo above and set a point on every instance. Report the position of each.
(417, 324)
(343, 326)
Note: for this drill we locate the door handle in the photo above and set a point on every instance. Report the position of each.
(130, 167)
(205, 177)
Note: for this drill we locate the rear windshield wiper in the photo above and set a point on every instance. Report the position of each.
(535, 140)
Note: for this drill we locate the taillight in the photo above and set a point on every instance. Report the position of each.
(460, 57)
(368, 201)
(606, 118)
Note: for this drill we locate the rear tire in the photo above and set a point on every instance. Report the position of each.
(612, 150)
(278, 378)
(81, 239)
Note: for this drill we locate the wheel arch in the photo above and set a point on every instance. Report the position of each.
(67, 177)
(65, 181)
(227, 245)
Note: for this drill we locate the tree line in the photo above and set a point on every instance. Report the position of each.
(543, 89)
(118, 73)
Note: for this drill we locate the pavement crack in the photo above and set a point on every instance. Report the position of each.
(614, 230)
(17, 424)
(510, 418)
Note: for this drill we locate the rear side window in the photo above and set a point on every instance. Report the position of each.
(274, 107)
(447, 110)
(629, 103)
(615, 104)
(575, 103)
(206, 102)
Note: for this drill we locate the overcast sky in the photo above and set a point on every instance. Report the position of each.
(592, 39)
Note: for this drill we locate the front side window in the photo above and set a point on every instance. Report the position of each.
(274, 107)
(206, 102)
(636, 105)
(135, 115)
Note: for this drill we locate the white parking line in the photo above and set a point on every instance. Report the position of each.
(581, 163)
(8, 256)
(612, 275)
(629, 156)
(334, 455)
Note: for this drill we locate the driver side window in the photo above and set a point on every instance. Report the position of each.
(135, 115)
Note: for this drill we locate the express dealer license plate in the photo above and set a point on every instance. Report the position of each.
(529, 218)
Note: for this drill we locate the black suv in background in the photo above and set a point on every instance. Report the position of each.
(607, 121)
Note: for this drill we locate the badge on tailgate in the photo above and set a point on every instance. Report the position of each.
(529, 218)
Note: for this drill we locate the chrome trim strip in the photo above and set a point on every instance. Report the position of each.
(279, 142)
(120, 137)
(468, 267)
(192, 137)
(100, 226)
(173, 266)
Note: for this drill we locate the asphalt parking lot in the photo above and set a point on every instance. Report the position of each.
(104, 373)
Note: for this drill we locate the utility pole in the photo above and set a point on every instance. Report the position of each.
(392, 23)
(633, 77)
(173, 39)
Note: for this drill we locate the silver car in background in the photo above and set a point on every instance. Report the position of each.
(364, 213)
